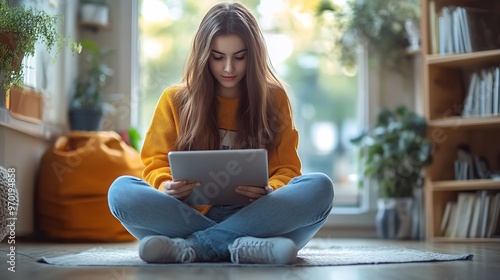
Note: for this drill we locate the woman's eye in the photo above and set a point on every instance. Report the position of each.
(217, 57)
(240, 57)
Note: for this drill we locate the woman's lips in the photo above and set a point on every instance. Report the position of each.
(228, 78)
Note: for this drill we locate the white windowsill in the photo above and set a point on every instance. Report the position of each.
(352, 218)
(42, 131)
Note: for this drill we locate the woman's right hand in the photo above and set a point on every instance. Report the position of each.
(179, 189)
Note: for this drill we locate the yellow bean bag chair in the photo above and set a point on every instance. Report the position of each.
(75, 174)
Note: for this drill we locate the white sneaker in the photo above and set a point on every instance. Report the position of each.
(162, 249)
(275, 250)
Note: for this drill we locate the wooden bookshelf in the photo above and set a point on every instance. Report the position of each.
(444, 93)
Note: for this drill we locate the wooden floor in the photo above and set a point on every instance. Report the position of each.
(485, 265)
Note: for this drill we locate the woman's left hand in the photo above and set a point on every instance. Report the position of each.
(254, 192)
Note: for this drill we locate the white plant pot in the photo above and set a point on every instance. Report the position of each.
(394, 218)
(93, 14)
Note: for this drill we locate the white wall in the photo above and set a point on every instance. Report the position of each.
(22, 152)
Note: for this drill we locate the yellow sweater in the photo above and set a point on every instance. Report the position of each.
(283, 163)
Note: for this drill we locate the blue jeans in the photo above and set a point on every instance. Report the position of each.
(296, 211)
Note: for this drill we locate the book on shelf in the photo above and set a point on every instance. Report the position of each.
(496, 91)
(451, 219)
(464, 164)
(469, 109)
(446, 216)
(484, 217)
(487, 100)
(480, 220)
(469, 166)
(493, 214)
(445, 31)
(463, 29)
(474, 223)
(463, 215)
(433, 25)
(466, 214)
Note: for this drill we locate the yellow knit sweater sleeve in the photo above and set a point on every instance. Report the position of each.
(160, 139)
(284, 162)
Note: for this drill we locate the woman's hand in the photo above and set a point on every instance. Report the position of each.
(253, 193)
(179, 189)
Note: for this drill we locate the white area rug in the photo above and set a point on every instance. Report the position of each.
(331, 256)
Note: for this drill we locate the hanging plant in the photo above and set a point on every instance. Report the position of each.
(376, 24)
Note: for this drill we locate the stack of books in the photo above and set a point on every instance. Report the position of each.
(462, 29)
(472, 215)
(469, 166)
(483, 94)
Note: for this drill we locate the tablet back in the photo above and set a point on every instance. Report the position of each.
(219, 173)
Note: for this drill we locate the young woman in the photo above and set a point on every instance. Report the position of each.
(230, 98)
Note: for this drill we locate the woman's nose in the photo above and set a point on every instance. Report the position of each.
(228, 66)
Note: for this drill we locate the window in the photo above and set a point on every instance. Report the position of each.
(325, 97)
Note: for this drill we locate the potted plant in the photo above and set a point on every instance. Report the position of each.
(393, 154)
(87, 108)
(20, 28)
(377, 24)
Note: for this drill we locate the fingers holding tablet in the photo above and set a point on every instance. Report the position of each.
(179, 189)
(253, 192)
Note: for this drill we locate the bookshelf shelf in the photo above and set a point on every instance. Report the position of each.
(463, 59)
(446, 239)
(466, 185)
(446, 80)
(472, 122)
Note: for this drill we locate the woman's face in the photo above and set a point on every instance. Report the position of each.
(228, 63)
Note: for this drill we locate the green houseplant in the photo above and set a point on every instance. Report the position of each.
(20, 28)
(378, 24)
(87, 108)
(393, 154)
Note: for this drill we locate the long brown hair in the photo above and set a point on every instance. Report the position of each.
(257, 119)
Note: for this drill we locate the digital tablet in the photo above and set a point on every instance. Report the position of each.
(219, 173)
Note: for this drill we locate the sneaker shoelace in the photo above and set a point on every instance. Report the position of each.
(255, 251)
(185, 254)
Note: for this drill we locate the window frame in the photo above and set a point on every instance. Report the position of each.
(368, 102)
